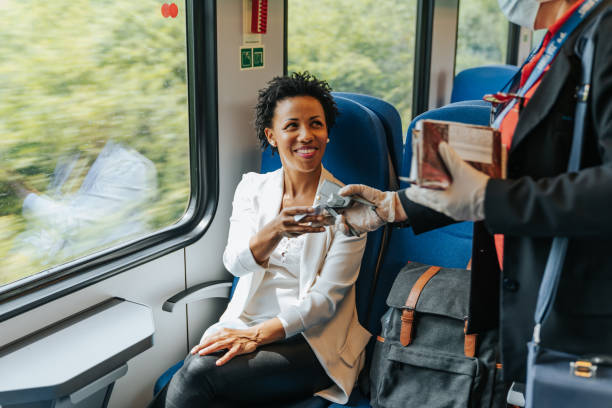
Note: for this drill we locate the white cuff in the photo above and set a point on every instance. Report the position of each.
(284, 323)
(291, 321)
(248, 263)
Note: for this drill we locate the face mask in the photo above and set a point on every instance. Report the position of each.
(521, 12)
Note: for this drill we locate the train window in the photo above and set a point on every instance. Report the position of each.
(482, 36)
(94, 127)
(357, 46)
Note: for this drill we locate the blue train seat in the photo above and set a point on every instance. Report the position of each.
(474, 83)
(356, 127)
(449, 246)
(390, 119)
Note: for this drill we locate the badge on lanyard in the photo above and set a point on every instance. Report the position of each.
(500, 100)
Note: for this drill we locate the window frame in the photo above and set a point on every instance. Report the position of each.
(45, 286)
(512, 50)
(422, 56)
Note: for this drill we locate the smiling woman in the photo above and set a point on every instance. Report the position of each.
(299, 132)
(280, 88)
(294, 305)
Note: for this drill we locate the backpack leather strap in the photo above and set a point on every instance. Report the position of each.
(469, 344)
(413, 297)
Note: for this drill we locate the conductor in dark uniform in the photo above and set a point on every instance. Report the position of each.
(517, 218)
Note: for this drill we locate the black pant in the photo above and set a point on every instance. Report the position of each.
(275, 374)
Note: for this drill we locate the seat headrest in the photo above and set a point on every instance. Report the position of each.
(474, 83)
(390, 119)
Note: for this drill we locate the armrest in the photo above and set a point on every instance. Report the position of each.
(206, 290)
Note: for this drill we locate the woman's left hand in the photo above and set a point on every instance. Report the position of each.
(240, 341)
(235, 341)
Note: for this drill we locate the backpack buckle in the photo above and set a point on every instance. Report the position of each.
(584, 369)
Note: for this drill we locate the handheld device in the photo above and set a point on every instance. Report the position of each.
(328, 199)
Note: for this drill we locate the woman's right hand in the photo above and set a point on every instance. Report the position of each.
(262, 244)
(286, 225)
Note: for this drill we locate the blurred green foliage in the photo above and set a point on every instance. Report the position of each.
(367, 46)
(482, 36)
(364, 46)
(75, 74)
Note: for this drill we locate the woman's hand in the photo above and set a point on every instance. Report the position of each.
(240, 341)
(235, 341)
(284, 225)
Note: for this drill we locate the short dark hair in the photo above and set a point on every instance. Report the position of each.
(298, 84)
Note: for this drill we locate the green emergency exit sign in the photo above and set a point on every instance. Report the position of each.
(246, 58)
(251, 57)
(258, 57)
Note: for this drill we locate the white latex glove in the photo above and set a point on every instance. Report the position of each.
(463, 200)
(362, 217)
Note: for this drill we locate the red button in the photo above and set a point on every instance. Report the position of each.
(165, 10)
(173, 10)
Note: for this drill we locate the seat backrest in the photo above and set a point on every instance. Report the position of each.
(356, 154)
(449, 246)
(390, 119)
(474, 83)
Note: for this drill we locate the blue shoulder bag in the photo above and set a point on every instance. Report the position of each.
(555, 378)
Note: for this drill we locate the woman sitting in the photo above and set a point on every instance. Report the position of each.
(291, 328)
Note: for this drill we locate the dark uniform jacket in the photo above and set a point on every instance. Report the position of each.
(539, 201)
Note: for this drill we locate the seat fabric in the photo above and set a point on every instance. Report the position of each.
(474, 83)
(166, 376)
(390, 119)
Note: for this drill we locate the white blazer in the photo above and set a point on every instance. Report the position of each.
(326, 314)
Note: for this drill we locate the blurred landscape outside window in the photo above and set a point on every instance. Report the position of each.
(364, 46)
(94, 135)
(482, 37)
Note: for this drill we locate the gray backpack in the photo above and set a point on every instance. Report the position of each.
(423, 358)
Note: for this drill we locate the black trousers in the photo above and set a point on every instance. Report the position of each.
(276, 374)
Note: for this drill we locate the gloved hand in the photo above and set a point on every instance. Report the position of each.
(463, 200)
(362, 217)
